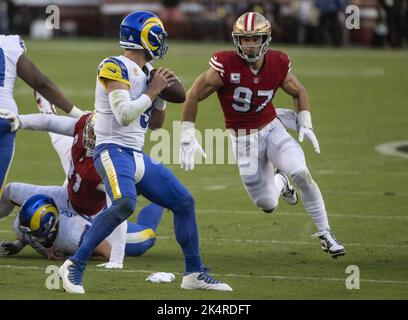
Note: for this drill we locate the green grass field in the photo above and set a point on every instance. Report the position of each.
(359, 99)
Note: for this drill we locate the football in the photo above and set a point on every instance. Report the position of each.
(175, 93)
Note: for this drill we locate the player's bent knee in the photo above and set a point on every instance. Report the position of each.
(186, 204)
(267, 205)
(124, 208)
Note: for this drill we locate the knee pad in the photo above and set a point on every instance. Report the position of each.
(268, 205)
(302, 179)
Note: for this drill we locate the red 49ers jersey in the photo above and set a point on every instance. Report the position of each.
(246, 98)
(83, 178)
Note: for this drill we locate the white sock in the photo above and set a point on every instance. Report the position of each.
(117, 240)
(312, 200)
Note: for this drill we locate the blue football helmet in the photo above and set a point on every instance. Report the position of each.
(144, 30)
(39, 216)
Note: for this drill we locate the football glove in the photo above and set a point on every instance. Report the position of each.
(305, 129)
(189, 146)
(12, 117)
(9, 248)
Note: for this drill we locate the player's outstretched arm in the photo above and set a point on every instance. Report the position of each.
(31, 75)
(292, 86)
(206, 84)
(51, 123)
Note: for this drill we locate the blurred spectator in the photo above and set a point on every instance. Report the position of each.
(307, 18)
(172, 17)
(330, 28)
(406, 21)
(394, 16)
(4, 21)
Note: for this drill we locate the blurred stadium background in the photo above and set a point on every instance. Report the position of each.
(383, 22)
(359, 100)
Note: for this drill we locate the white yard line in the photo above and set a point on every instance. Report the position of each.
(231, 275)
(304, 214)
(296, 243)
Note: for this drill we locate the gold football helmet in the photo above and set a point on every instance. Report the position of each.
(252, 24)
(88, 136)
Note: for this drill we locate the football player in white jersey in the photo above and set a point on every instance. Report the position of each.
(58, 235)
(13, 63)
(123, 102)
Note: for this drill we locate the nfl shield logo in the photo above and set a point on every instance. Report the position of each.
(235, 77)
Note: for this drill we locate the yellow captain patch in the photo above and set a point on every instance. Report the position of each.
(113, 69)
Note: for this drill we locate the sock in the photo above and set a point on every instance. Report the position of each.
(312, 199)
(185, 228)
(117, 240)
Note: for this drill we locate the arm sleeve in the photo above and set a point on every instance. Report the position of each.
(45, 122)
(126, 110)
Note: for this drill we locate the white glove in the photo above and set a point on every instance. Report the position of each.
(12, 117)
(189, 146)
(305, 129)
(111, 265)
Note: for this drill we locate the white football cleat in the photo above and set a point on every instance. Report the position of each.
(330, 244)
(289, 193)
(71, 276)
(111, 265)
(43, 105)
(203, 281)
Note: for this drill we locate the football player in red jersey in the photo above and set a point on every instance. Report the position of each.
(246, 80)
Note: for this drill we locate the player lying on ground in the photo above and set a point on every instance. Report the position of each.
(83, 195)
(13, 63)
(56, 233)
(246, 81)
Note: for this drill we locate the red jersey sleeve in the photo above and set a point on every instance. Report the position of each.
(217, 62)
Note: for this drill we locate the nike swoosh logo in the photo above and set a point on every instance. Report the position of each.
(111, 70)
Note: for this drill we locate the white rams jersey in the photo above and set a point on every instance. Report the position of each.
(11, 48)
(71, 230)
(107, 128)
